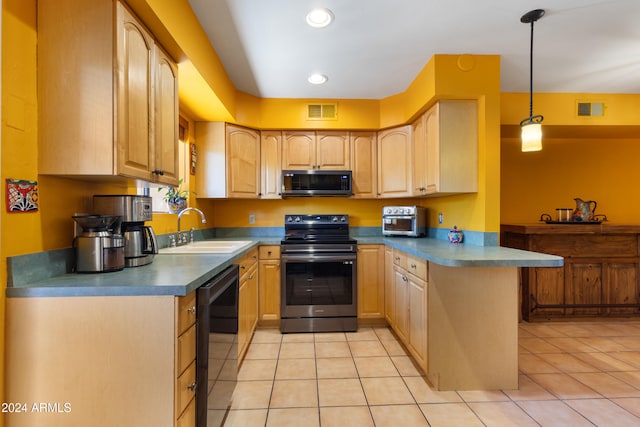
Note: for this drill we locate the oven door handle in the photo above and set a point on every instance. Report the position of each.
(310, 257)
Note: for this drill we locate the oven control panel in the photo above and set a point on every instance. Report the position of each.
(316, 219)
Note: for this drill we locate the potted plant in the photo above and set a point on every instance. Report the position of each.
(175, 197)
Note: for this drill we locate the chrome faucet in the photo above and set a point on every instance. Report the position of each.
(204, 220)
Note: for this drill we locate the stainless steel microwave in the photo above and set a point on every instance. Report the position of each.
(315, 182)
(404, 221)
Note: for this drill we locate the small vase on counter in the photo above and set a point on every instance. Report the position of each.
(455, 235)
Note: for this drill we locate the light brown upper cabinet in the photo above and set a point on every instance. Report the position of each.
(445, 149)
(303, 150)
(270, 164)
(394, 162)
(243, 162)
(364, 154)
(92, 123)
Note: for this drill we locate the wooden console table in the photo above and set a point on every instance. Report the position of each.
(600, 277)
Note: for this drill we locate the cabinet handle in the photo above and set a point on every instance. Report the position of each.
(157, 172)
(192, 310)
(397, 258)
(268, 252)
(251, 277)
(242, 267)
(405, 278)
(413, 266)
(192, 386)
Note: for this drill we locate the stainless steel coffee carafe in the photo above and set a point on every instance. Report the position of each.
(97, 248)
(140, 244)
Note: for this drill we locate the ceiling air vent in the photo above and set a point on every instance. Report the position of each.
(322, 111)
(590, 109)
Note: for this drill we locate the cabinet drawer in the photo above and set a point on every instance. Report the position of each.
(411, 264)
(186, 349)
(269, 252)
(188, 417)
(186, 312)
(186, 388)
(246, 262)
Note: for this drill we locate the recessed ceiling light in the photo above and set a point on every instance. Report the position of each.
(319, 18)
(317, 79)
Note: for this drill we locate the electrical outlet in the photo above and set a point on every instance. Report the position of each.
(252, 219)
(440, 218)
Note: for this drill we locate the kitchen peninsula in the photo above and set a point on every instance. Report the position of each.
(118, 329)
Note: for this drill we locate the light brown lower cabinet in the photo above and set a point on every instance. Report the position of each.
(269, 286)
(112, 360)
(370, 279)
(410, 293)
(247, 301)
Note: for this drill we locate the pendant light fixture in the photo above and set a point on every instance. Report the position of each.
(531, 127)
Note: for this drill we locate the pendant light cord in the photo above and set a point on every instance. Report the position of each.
(531, 73)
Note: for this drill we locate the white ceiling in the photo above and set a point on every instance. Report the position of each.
(375, 48)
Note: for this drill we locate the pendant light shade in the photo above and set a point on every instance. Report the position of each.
(531, 137)
(531, 126)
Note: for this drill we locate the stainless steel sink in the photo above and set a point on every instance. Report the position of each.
(208, 247)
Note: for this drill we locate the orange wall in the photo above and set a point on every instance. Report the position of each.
(604, 170)
(593, 158)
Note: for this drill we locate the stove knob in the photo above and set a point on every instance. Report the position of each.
(343, 219)
(395, 211)
(289, 219)
(334, 219)
(298, 219)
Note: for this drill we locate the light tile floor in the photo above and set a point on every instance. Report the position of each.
(571, 374)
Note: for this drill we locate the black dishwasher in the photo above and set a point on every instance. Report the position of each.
(217, 347)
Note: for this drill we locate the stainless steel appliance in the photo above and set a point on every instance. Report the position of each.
(97, 248)
(139, 240)
(404, 221)
(217, 347)
(318, 275)
(316, 182)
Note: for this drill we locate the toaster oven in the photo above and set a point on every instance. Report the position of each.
(404, 221)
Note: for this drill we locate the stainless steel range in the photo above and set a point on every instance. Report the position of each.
(318, 279)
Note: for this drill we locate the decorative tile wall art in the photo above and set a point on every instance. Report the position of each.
(22, 195)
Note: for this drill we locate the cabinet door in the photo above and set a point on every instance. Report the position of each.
(243, 162)
(364, 164)
(165, 166)
(401, 307)
(370, 281)
(451, 129)
(420, 168)
(431, 173)
(621, 286)
(417, 331)
(332, 150)
(270, 164)
(543, 286)
(269, 290)
(135, 97)
(252, 283)
(583, 285)
(394, 162)
(298, 150)
(389, 287)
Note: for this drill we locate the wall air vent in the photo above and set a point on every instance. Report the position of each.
(322, 112)
(590, 109)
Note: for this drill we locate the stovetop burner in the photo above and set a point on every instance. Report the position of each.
(317, 229)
